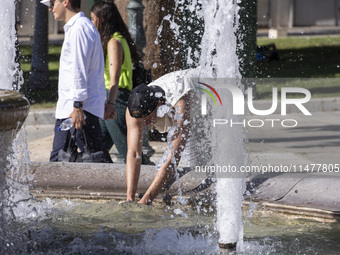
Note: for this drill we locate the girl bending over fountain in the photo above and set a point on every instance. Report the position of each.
(164, 103)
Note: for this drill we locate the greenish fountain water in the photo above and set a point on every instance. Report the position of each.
(107, 227)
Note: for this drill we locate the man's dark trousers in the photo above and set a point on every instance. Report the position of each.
(92, 131)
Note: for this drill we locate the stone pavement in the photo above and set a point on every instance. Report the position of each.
(312, 145)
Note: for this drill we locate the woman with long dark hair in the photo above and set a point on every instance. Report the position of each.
(119, 53)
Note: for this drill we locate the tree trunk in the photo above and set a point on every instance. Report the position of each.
(39, 78)
(159, 58)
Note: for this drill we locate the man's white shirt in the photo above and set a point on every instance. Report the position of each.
(81, 71)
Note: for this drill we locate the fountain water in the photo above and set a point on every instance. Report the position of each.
(221, 19)
(13, 111)
(219, 64)
(7, 20)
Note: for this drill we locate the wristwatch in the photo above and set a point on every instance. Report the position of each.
(77, 104)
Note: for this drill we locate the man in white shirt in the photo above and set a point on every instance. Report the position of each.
(81, 87)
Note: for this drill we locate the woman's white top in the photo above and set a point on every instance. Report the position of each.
(175, 85)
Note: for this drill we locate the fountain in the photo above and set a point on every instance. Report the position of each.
(218, 64)
(61, 226)
(14, 107)
(13, 112)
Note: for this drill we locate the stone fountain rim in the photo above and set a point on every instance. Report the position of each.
(14, 108)
(11, 99)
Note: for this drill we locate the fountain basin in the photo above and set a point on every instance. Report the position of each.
(107, 227)
(99, 223)
(101, 181)
(14, 108)
(108, 181)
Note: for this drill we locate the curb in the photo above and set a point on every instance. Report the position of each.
(305, 212)
(108, 181)
(300, 190)
(40, 116)
(98, 181)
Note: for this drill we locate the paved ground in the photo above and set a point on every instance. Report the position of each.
(316, 139)
(313, 143)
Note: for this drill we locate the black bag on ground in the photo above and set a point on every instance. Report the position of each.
(73, 155)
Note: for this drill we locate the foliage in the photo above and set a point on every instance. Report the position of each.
(45, 97)
(300, 57)
(304, 57)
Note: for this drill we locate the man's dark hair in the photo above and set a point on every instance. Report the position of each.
(75, 4)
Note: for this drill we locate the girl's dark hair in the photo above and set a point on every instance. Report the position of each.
(110, 22)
